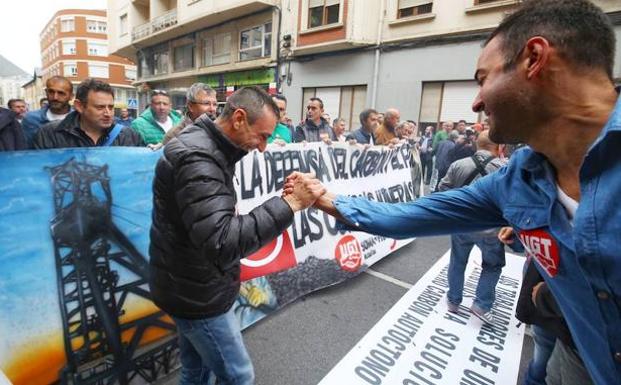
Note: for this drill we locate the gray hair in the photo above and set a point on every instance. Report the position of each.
(454, 135)
(196, 88)
(251, 99)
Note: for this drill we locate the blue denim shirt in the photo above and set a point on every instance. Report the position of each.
(31, 124)
(581, 264)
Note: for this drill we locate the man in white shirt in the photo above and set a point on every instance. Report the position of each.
(59, 92)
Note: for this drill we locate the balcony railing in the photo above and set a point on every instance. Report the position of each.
(159, 23)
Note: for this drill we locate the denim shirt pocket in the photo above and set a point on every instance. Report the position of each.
(527, 217)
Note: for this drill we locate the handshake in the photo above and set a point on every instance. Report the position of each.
(304, 190)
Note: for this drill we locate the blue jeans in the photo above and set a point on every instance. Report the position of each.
(544, 344)
(493, 253)
(213, 345)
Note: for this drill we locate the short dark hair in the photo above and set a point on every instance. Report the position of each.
(315, 99)
(364, 115)
(280, 97)
(11, 101)
(581, 32)
(252, 100)
(93, 85)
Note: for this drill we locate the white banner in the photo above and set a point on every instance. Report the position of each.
(419, 342)
(379, 173)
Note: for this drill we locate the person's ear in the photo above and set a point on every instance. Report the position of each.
(78, 106)
(535, 56)
(239, 118)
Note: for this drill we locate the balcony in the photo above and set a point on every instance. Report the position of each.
(160, 23)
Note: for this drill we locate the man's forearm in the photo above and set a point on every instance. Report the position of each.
(325, 203)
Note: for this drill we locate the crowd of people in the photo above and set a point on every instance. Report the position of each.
(544, 81)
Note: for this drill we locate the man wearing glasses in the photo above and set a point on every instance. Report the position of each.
(201, 99)
(59, 92)
(156, 120)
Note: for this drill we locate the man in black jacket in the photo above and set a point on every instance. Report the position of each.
(11, 134)
(91, 124)
(198, 239)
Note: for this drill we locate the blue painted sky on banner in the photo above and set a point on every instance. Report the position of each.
(28, 285)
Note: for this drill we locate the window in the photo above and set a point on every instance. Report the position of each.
(256, 42)
(123, 29)
(217, 49)
(183, 55)
(323, 12)
(409, 8)
(95, 26)
(160, 60)
(69, 47)
(70, 70)
(144, 69)
(442, 101)
(478, 2)
(119, 94)
(67, 25)
(97, 48)
(97, 70)
(130, 74)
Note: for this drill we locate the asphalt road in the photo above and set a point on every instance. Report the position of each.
(301, 343)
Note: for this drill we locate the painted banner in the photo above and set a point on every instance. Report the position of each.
(74, 236)
(419, 342)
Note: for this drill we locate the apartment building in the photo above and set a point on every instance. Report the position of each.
(226, 44)
(416, 55)
(74, 44)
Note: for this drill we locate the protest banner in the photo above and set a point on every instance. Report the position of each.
(419, 342)
(74, 237)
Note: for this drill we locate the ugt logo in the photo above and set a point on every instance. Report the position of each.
(348, 253)
(541, 246)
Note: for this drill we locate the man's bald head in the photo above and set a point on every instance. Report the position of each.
(392, 118)
(59, 92)
(485, 143)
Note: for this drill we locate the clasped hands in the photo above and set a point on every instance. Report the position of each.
(302, 190)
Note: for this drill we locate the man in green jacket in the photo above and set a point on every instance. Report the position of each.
(282, 133)
(156, 120)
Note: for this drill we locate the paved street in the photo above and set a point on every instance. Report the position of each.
(302, 342)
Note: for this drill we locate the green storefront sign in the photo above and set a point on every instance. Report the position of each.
(241, 78)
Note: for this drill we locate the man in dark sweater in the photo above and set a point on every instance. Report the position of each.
(198, 238)
(90, 125)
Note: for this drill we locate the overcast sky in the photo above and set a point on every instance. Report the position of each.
(21, 21)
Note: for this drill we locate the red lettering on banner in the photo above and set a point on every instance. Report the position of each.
(348, 253)
(393, 244)
(541, 246)
(275, 256)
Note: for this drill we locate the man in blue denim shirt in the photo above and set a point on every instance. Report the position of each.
(545, 79)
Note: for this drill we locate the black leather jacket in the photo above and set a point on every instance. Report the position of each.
(197, 239)
(67, 133)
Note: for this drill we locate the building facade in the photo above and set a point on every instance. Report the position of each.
(226, 44)
(415, 55)
(34, 90)
(11, 79)
(74, 44)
